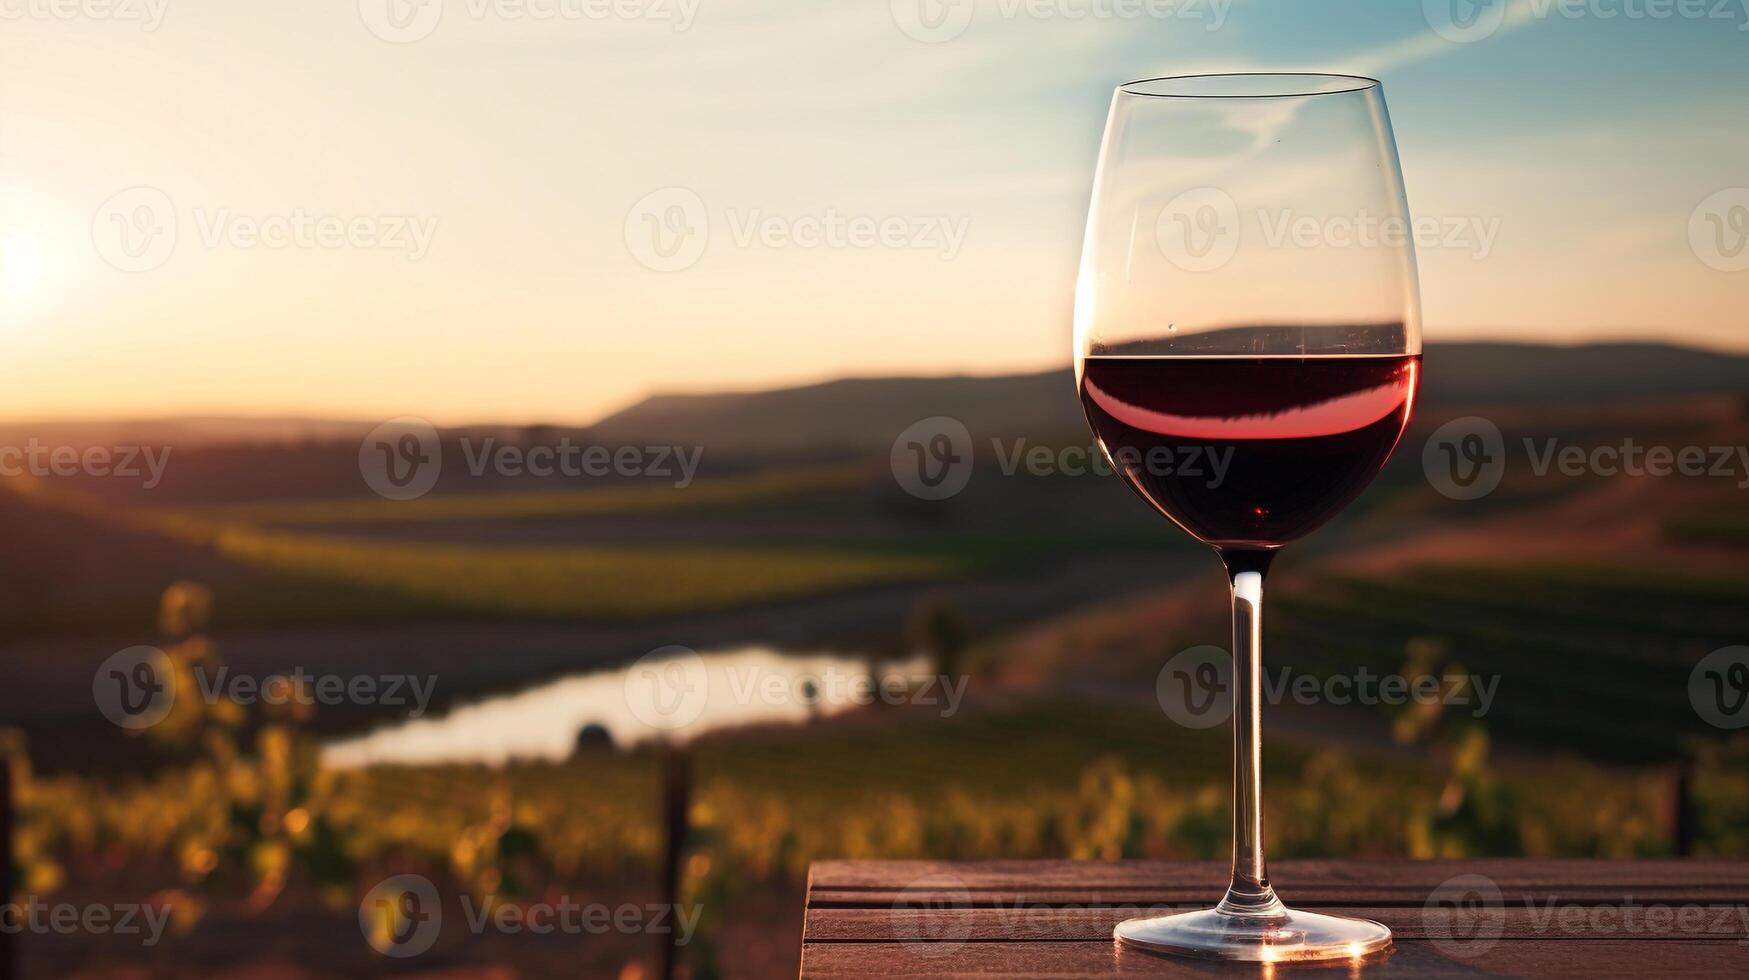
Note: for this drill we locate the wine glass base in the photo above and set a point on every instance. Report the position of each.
(1287, 936)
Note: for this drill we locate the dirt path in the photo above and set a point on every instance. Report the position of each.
(1619, 520)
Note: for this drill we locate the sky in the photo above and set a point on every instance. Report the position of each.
(543, 210)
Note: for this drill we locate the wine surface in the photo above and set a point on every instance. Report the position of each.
(1249, 452)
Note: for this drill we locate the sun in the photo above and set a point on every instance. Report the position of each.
(21, 265)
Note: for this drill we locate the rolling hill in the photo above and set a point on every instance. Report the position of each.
(865, 413)
(858, 414)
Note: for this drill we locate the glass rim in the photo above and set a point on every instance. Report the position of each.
(1268, 85)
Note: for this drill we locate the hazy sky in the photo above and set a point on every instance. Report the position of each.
(443, 207)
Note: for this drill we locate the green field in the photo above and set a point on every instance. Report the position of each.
(285, 571)
(1730, 529)
(1591, 659)
(581, 582)
(720, 493)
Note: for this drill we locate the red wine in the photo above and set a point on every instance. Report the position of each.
(1248, 453)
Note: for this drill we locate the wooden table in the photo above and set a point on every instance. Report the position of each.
(1450, 918)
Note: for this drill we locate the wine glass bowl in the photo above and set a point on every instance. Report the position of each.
(1247, 351)
(1248, 214)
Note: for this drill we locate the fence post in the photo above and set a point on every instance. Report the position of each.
(676, 800)
(1684, 815)
(8, 947)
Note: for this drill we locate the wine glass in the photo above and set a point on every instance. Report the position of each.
(1247, 348)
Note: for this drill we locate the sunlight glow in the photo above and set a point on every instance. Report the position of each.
(21, 265)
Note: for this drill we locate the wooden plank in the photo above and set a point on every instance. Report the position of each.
(1081, 874)
(1412, 958)
(1311, 884)
(1040, 924)
(930, 895)
(1054, 918)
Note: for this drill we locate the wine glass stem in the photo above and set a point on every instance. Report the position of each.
(1249, 893)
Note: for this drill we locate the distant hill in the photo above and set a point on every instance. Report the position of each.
(860, 414)
(865, 413)
(851, 413)
(1535, 373)
(183, 431)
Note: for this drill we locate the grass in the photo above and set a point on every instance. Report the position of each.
(358, 578)
(295, 556)
(1050, 778)
(1590, 659)
(585, 582)
(1730, 530)
(721, 492)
